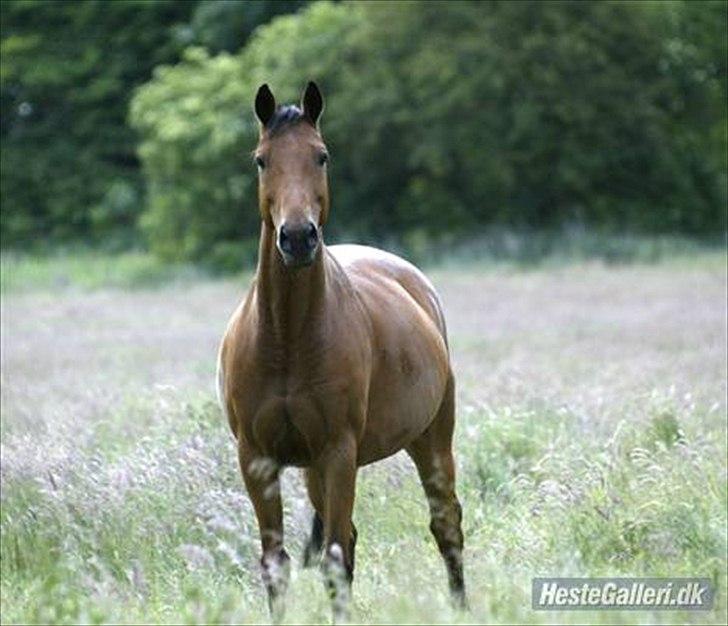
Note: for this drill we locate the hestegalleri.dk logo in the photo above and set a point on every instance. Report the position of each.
(595, 594)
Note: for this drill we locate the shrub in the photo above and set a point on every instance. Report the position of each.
(448, 117)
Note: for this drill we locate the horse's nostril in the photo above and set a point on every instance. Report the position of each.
(312, 234)
(284, 239)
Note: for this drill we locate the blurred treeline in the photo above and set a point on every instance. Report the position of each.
(125, 122)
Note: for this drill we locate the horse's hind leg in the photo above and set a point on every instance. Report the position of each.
(315, 543)
(261, 478)
(432, 454)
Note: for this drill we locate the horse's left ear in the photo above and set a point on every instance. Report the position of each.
(265, 104)
(312, 103)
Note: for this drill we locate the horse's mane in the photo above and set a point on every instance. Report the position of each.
(285, 115)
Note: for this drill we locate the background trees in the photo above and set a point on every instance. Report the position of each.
(69, 165)
(69, 69)
(442, 117)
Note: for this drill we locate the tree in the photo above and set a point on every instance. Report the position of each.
(198, 128)
(450, 116)
(225, 25)
(69, 69)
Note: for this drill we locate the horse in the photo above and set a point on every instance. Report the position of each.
(336, 358)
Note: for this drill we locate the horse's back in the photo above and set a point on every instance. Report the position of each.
(366, 264)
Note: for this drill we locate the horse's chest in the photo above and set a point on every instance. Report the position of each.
(290, 403)
(291, 423)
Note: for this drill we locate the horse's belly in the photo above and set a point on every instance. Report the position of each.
(407, 388)
(395, 423)
(410, 361)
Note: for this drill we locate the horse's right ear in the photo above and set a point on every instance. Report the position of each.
(312, 103)
(265, 104)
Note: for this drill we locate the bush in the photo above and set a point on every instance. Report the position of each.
(198, 128)
(68, 73)
(448, 117)
(192, 120)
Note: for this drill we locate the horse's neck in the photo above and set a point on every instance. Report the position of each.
(289, 301)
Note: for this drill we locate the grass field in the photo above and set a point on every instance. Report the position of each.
(591, 441)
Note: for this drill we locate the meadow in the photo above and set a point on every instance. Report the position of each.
(591, 441)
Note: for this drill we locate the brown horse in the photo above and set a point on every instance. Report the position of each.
(337, 358)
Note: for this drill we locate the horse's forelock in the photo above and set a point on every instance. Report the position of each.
(285, 115)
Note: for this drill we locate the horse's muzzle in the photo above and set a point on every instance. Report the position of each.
(298, 245)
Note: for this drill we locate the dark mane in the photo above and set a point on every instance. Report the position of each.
(285, 115)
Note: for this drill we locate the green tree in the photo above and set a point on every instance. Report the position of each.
(68, 72)
(450, 116)
(68, 68)
(225, 25)
(197, 127)
(192, 117)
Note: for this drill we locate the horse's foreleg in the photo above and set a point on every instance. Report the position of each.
(338, 473)
(261, 476)
(432, 454)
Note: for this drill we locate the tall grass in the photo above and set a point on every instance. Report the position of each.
(164, 533)
(533, 248)
(591, 441)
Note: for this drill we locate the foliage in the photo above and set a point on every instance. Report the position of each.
(191, 122)
(446, 117)
(68, 160)
(225, 25)
(198, 129)
(442, 117)
(69, 164)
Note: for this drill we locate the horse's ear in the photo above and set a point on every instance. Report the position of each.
(265, 104)
(312, 103)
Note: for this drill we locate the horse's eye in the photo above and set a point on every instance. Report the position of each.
(260, 162)
(323, 159)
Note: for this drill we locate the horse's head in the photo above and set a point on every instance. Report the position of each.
(292, 184)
